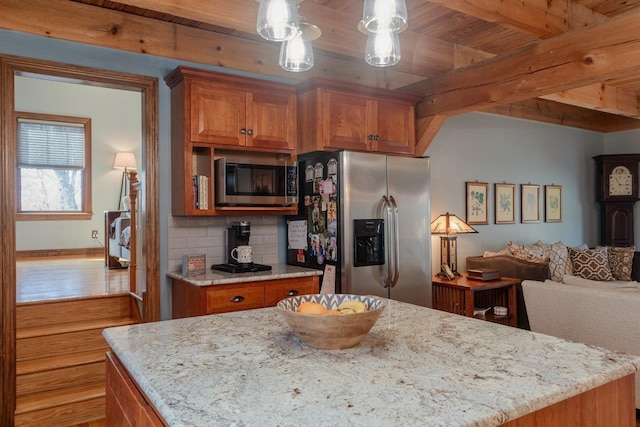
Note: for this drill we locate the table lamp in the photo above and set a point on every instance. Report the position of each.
(449, 226)
(124, 161)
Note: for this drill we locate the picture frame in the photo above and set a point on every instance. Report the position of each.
(529, 203)
(553, 203)
(477, 198)
(505, 209)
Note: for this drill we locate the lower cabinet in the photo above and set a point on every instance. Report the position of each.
(125, 403)
(190, 300)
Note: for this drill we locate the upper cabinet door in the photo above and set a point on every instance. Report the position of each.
(345, 121)
(217, 114)
(271, 120)
(394, 128)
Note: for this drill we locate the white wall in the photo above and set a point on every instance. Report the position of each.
(491, 148)
(627, 142)
(116, 125)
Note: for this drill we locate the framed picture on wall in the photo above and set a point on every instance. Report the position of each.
(530, 203)
(553, 203)
(505, 195)
(477, 197)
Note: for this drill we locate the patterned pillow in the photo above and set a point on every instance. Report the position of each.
(559, 263)
(592, 264)
(620, 262)
(534, 250)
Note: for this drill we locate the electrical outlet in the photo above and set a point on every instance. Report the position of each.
(94, 234)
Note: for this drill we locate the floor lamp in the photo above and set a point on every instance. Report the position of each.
(124, 161)
(449, 226)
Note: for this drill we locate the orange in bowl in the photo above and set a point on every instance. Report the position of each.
(311, 307)
(331, 330)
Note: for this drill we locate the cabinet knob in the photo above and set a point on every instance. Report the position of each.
(238, 298)
(376, 137)
(370, 137)
(243, 131)
(292, 293)
(250, 132)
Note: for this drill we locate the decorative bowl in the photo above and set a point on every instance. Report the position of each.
(331, 331)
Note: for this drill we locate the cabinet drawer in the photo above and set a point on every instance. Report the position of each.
(222, 299)
(276, 290)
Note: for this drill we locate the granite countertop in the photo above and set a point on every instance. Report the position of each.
(417, 366)
(214, 277)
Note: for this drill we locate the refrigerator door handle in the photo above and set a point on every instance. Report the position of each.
(396, 242)
(386, 214)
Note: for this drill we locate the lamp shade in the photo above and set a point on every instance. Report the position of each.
(384, 15)
(382, 49)
(296, 54)
(124, 161)
(277, 19)
(450, 224)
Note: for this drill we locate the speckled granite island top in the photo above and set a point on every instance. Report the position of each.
(213, 277)
(417, 366)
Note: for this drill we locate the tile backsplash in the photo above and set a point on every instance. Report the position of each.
(208, 235)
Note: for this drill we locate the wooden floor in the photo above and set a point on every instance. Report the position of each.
(58, 278)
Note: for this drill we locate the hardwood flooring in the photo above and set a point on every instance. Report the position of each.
(41, 279)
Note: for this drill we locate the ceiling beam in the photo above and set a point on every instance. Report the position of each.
(426, 130)
(566, 115)
(421, 54)
(578, 58)
(539, 18)
(118, 30)
(600, 97)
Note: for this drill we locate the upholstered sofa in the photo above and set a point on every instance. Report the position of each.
(604, 314)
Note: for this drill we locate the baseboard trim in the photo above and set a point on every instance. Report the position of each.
(62, 253)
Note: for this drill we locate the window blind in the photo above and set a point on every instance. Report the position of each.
(50, 145)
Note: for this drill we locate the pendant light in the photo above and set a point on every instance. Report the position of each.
(278, 19)
(296, 54)
(384, 15)
(382, 49)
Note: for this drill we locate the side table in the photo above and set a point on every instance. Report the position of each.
(461, 295)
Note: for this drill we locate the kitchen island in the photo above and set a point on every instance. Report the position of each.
(417, 366)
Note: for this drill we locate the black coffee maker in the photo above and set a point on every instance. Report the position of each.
(237, 235)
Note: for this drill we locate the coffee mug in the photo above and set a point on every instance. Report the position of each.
(242, 254)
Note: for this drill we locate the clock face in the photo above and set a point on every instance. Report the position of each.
(620, 182)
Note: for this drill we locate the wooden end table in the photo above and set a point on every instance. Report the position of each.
(461, 295)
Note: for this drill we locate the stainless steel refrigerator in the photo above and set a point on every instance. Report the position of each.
(365, 217)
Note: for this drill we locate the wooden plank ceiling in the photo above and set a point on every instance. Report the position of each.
(574, 63)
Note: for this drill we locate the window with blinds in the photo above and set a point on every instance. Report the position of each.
(53, 158)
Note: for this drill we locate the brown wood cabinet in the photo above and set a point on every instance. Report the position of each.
(126, 404)
(213, 114)
(334, 116)
(190, 300)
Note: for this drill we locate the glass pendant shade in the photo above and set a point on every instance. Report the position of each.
(296, 54)
(383, 49)
(384, 15)
(277, 19)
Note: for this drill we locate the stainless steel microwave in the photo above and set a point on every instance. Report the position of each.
(260, 181)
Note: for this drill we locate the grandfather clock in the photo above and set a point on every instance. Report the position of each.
(617, 194)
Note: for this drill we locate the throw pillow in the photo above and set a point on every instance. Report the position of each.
(504, 251)
(526, 257)
(592, 264)
(558, 256)
(533, 249)
(621, 262)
